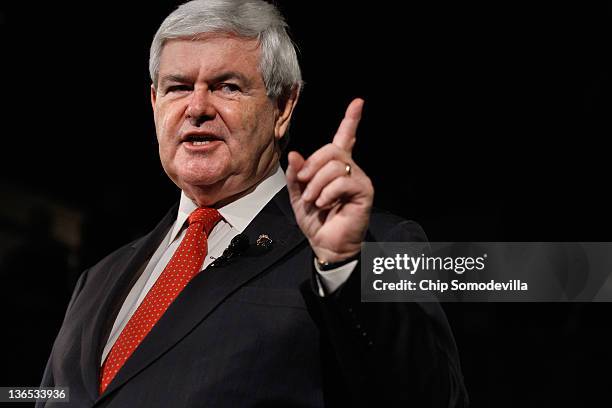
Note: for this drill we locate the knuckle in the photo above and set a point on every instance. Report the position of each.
(365, 183)
(322, 155)
(325, 192)
(369, 184)
(340, 166)
(331, 149)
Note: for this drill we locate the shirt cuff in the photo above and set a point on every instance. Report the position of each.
(330, 280)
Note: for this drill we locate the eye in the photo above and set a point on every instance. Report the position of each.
(178, 88)
(228, 88)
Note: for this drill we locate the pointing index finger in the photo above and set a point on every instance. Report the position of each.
(345, 136)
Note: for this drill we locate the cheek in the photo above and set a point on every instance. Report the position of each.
(257, 122)
(256, 117)
(166, 129)
(167, 122)
(242, 129)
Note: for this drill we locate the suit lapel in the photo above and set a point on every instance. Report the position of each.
(213, 285)
(121, 279)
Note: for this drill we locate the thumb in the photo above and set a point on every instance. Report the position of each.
(296, 162)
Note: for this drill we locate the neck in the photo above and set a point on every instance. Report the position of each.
(205, 197)
(237, 196)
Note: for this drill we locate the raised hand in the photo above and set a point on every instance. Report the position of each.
(331, 196)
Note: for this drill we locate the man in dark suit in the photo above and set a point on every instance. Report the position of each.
(247, 293)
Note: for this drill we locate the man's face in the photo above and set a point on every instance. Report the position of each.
(216, 127)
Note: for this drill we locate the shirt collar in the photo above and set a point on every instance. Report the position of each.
(241, 212)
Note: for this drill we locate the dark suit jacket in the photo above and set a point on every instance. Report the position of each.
(254, 333)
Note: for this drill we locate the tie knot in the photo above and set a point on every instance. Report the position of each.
(207, 216)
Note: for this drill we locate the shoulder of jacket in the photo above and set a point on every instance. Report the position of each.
(385, 226)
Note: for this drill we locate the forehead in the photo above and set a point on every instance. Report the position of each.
(209, 54)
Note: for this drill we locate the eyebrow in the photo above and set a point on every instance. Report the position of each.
(178, 78)
(231, 75)
(172, 78)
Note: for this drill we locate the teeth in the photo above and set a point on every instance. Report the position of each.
(197, 143)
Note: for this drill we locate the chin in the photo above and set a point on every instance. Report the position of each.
(199, 173)
(199, 180)
(204, 195)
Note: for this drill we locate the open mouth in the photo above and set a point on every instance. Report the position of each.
(197, 140)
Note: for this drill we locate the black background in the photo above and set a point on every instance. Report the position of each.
(485, 121)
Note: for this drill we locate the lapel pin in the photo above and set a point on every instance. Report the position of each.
(264, 241)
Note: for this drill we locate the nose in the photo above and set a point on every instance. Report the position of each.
(200, 108)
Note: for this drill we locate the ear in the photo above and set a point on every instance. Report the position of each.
(153, 97)
(285, 106)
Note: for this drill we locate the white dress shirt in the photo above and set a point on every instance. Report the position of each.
(237, 216)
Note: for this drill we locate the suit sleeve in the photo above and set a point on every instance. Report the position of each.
(389, 354)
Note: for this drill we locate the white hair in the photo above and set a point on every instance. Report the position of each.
(252, 19)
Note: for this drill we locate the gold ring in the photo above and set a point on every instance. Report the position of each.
(348, 170)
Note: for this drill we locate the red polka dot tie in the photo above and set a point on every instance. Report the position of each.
(184, 265)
